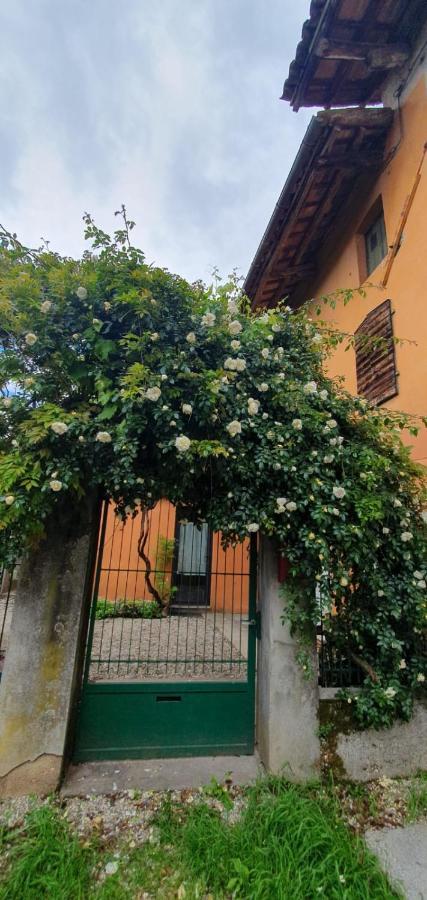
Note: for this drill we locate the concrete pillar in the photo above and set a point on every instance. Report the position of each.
(287, 703)
(40, 673)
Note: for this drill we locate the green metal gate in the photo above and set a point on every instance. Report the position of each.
(170, 656)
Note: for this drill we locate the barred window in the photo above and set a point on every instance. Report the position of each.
(375, 355)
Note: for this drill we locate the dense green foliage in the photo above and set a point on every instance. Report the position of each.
(128, 379)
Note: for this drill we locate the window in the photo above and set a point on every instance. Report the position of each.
(375, 356)
(375, 243)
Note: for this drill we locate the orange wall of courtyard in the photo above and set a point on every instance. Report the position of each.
(123, 571)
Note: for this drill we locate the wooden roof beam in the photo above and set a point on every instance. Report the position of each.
(385, 56)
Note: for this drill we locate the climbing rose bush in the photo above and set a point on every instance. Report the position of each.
(120, 377)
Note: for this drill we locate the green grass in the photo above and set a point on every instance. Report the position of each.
(127, 609)
(44, 860)
(289, 844)
(417, 798)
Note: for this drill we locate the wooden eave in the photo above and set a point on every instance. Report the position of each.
(348, 48)
(338, 147)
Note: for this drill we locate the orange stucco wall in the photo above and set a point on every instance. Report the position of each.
(122, 572)
(407, 284)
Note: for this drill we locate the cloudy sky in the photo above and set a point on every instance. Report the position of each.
(169, 106)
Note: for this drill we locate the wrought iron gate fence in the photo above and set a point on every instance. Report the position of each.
(171, 637)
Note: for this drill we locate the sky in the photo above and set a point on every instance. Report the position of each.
(168, 106)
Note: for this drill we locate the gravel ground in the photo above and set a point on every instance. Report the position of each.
(119, 818)
(186, 646)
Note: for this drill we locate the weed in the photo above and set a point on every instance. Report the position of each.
(417, 798)
(219, 792)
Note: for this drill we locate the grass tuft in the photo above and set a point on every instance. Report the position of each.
(44, 860)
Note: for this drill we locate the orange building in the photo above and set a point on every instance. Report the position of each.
(352, 213)
(187, 566)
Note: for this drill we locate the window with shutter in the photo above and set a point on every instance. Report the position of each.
(375, 355)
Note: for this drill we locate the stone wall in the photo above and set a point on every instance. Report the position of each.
(39, 679)
(365, 755)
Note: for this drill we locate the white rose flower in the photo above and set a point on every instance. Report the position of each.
(310, 387)
(390, 693)
(281, 375)
(336, 511)
(97, 323)
(191, 337)
(81, 439)
(153, 393)
(406, 536)
(30, 338)
(45, 306)
(276, 328)
(154, 336)
(235, 345)
(240, 364)
(182, 443)
(232, 307)
(253, 406)
(208, 319)
(418, 574)
(402, 664)
(386, 530)
(291, 506)
(234, 428)
(343, 582)
(328, 459)
(253, 527)
(265, 352)
(338, 492)
(263, 387)
(9, 499)
(55, 485)
(317, 338)
(380, 593)
(104, 437)
(331, 423)
(323, 395)
(107, 306)
(59, 427)
(422, 583)
(281, 504)
(229, 363)
(397, 502)
(297, 424)
(81, 293)
(187, 409)
(235, 327)
(421, 678)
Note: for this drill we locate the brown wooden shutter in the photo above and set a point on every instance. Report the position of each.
(375, 356)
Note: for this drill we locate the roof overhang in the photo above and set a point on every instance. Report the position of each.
(348, 48)
(338, 146)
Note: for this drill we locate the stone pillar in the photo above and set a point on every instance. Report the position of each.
(287, 703)
(40, 674)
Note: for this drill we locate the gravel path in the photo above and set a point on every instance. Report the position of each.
(190, 647)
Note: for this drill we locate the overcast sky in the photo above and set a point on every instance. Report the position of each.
(169, 106)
